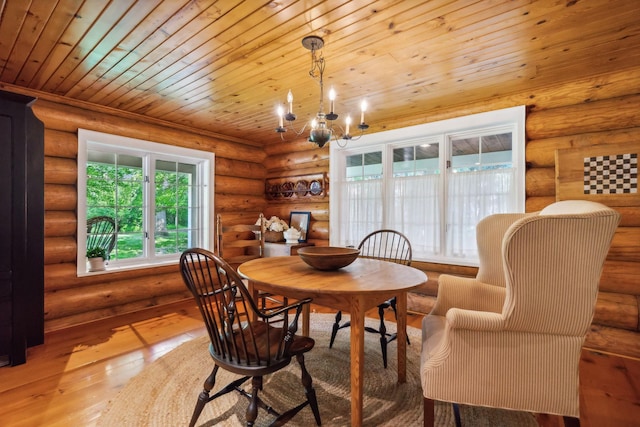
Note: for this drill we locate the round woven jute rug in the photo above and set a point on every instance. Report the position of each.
(165, 393)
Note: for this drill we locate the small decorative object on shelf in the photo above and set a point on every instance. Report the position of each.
(292, 235)
(275, 228)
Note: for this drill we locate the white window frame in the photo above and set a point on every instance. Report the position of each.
(512, 119)
(204, 161)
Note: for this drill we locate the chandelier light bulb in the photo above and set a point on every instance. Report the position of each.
(347, 122)
(332, 97)
(280, 115)
(363, 108)
(290, 101)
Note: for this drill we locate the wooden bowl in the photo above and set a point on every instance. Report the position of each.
(328, 257)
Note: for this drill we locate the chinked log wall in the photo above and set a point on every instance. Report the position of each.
(594, 111)
(71, 300)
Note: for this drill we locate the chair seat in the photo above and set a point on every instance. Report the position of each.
(269, 341)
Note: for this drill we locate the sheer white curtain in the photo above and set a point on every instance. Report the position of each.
(473, 196)
(361, 210)
(414, 210)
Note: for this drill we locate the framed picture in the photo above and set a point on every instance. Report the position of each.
(300, 221)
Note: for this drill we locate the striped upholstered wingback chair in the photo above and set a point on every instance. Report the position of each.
(511, 338)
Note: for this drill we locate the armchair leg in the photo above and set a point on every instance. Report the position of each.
(571, 422)
(429, 417)
(456, 414)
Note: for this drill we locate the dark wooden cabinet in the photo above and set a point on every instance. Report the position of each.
(21, 228)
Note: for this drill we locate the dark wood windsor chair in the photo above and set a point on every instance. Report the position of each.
(385, 245)
(247, 347)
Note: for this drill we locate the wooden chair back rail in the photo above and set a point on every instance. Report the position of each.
(386, 245)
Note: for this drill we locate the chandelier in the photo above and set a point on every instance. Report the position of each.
(322, 126)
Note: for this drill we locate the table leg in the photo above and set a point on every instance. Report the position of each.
(253, 291)
(357, 361)
(401, 340)
(306, 310)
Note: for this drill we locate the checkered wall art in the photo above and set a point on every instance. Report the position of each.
(612, 174)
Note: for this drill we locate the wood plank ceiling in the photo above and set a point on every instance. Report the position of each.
(224, 66)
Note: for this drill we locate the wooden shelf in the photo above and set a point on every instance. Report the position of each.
(310, 186)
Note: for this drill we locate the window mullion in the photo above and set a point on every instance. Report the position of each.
(149, 205)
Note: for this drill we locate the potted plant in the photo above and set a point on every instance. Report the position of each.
(96, 256)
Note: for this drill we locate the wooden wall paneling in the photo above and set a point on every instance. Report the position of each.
(541, 152)
(604, 125)
(540, 182)
(293, 161)
(241, 168)
(60, 144)
(71, 299)
(59, 223)
(319, 232)
(58, 170)
(97, 314)
(570, 173)
(613, 340)
(630, 216)
(60, 197)
(226, 202)
(69, 118)
(63, 276)
(319, 210)
(537, 203)
(239, 185)
(607, 114)
(59, 250)
(66, 302)
(617, 310)
(580, 114)
(626, 245)
(620, 277)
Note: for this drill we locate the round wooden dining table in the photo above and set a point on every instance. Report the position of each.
(355, 289)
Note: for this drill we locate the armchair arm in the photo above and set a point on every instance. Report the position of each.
(275, 311)
(475, 320)
(467, 293)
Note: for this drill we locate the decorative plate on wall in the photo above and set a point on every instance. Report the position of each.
(302, 187)
(315, 187)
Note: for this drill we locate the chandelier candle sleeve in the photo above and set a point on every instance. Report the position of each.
(332, 97)
(363, 107)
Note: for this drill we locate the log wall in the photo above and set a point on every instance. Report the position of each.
(600, 110)
(592, 111)
(70, 300)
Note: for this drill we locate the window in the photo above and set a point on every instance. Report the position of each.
(432, 182)
(158, 196)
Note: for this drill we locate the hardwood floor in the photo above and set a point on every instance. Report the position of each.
(70, 379)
